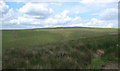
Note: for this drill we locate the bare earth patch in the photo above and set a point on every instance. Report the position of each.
(111, 65)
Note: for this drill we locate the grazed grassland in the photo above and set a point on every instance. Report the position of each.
(65, 48)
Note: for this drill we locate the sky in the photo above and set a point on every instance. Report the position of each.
(81, 13)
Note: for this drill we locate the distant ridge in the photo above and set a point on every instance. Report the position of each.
(57, 28)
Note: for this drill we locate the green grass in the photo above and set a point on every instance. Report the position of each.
(39, 37)
(96, 64)
(65, 48)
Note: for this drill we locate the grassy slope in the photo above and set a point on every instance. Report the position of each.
(45, 36)
(59, 48)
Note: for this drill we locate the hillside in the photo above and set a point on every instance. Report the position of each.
(65, 48)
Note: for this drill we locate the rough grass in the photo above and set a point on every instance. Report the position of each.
(69, 48)
(37, 37)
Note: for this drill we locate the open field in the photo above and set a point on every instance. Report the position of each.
(65, 48)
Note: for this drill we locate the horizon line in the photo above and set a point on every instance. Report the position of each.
(55, 28)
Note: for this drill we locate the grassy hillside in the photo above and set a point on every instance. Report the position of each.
(53, 48)
(37, 37)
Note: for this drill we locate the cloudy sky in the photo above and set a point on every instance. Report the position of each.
(81, 13)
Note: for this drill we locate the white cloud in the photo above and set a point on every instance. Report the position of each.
(77, 12)
(3, 10)
(3, 7)
(64, 13)
(35, 15)
(77, 18)
(6, 18)
(60, 18)
(99, 4)
(36, 9)
(27, 20)
(13, 21)
(110, 25)
(94, 22)
(109, 14)
(7, 14)
(98, 1)
(56, 4)
(63, 20)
